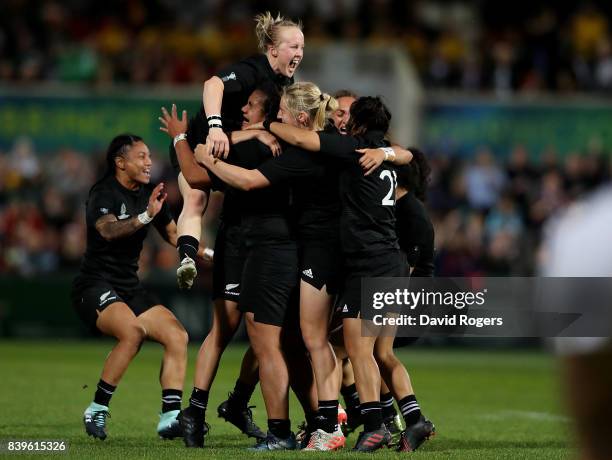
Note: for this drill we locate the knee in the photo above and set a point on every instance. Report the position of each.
(195, 200)
(385, 358)
(219, 336)
(177, 339)
(314, 341)
(133, 336)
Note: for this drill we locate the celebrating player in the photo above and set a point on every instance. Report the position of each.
(281, 43)
(107, 293)
(227, 271)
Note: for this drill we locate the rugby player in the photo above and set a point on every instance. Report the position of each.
(281, 43)
(107, 293)
(368, 237)
(227, 272)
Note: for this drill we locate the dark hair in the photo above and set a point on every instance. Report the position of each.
(272, 101)
(416, 175)
(117, 147)
(369, 113)
(345, 93)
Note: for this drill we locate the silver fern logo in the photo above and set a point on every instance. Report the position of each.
(123, 214)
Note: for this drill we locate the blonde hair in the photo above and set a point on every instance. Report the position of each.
(267, 28)
(307, 97)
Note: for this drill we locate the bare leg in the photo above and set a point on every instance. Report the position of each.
(273, 374)
(162, 326)
(118, 320)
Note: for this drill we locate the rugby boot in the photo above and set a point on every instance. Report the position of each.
(169, 426)
(94, 419)
(186, 273)
(321, 440)
(415, 435)
(194, 428)
(240, 417)
(271, 442)
(369, 441)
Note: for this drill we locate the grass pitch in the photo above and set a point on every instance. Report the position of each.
(485, 404)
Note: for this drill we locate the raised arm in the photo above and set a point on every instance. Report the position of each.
(176, 128)
(110, 228)
(212, 98)
(235, 176)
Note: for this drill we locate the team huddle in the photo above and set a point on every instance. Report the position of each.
(315, 199)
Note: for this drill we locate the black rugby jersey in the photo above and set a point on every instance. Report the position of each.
(367, 221)
(240, 80)
(314, 185)
(117, 261)
(264, 213)
(416, 234)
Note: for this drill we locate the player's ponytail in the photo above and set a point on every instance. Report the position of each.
(307, 97)
(327, 105)
(267, 28)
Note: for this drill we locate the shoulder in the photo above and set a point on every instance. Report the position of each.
(103, 186)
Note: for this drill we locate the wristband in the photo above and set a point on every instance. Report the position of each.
(389, 153)
(179, 137)
(144, 218)
(209, 253)
(214, 121)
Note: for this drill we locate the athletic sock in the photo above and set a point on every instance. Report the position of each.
(371, 415)
(312, 419)
(198, 402)
(104, 393)
(410, 410)
(351, 397)
(279, 427)
(388, 409)
(242, 394)
(328, 415)
(187, 245)
(171, 400)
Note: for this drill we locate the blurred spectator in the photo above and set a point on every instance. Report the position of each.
(484, 180)
(464, 44)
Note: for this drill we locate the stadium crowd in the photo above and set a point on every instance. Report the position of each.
(488, 212)
(463, 45)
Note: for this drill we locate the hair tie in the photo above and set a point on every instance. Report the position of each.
(322, 97)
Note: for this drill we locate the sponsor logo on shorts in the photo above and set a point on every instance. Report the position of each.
(345, 308)
(105, 298)
(230, 286)
(123, 214)
(231, 76)
(308, 272)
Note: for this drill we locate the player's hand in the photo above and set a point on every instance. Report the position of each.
(202, 156)
(171, 123)
(156, 200)
(370, 160)
(271, 141)
(217, 143)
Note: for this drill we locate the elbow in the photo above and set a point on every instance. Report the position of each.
(106, 235)
(246, 185)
